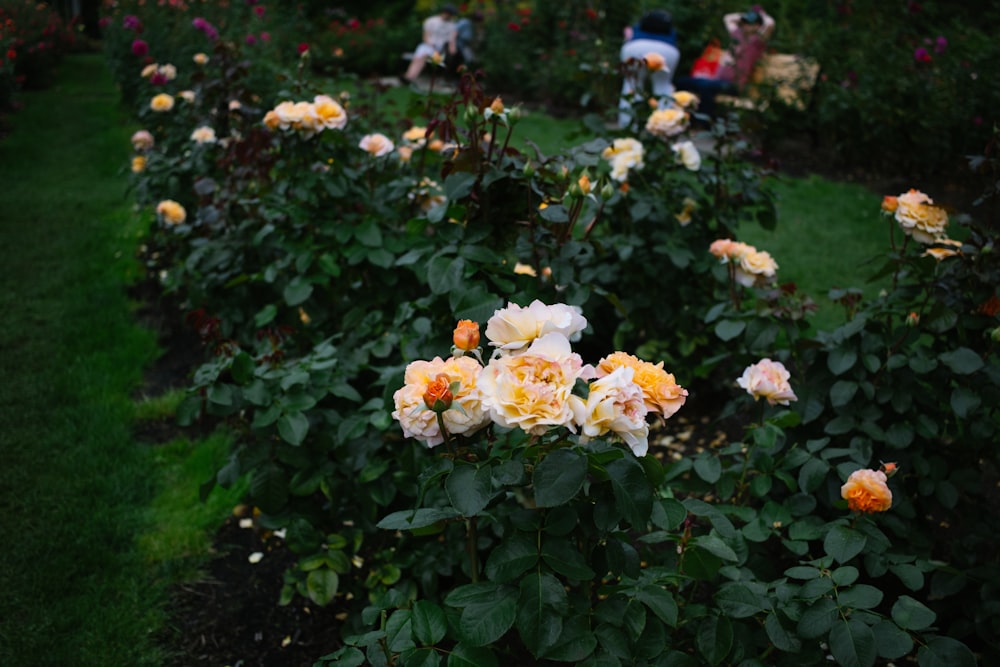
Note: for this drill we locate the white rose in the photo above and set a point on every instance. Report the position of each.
(513, 328)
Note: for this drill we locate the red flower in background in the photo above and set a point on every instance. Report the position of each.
(302, 48)
(140, 48)
(514, 27)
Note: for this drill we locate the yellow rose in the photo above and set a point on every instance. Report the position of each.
(654, 62)
(200, 59)
(665, 123)
(866, 491)
(686, 100)
(162, 102)
(660, 390)
(138, 164)
(532, 390)
(376, 144)
(919, 218)
(171, 212)
(615, 404)
(331, 115)
(755, 266)
(730, 251)
(203, 135)
(769, 380)
(513, 328)
(465, 415)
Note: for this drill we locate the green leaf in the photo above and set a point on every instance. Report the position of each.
(321, 585)
(475, 303)
(841, 360)
(890, 641)
(420, 657)
(563, 557)
(399, 631)
(910, 614)
(469, 488)
(242, 368)
(715, 639)
(714, 545)
(812, 474)
(945, 652)
(484, 623)
(445, 274)
(729, 329)
(910, 575)
(817, 620)
(220, 394)
(632, 491)
(842, 392)
(964, 401)
(559, 477)
(708, 467)
(861, 596)
(265, 315)
(513, 557)
(537, 623)
(668, 513)
(660, 602)
(297, 291)
(575, 642)
(369, 234)
(802, 572)
(852, 643)
(293, 427)
(413, 519)
(736, 600)
(429, 622)
(269, 487)
(845, 576)
(843, 543)
(962, 361)
(463, 655)
(782, 639)
(458, 184)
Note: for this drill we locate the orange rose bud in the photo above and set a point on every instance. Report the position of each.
(890, 204)
(497, 106)
(913, 319)
(466, 336)
(585, 185)
(438, 396)
(889, 469)
(866, 491)
(655, 62)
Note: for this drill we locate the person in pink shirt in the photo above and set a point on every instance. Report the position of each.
(749, 32)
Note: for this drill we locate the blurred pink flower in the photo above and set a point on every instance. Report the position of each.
(139, 48)
(259, 10)
(940, 44)
(250, 39)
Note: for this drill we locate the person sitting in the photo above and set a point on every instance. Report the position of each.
(439, 40)
(467, 38)
(653, 34)
(749, 32)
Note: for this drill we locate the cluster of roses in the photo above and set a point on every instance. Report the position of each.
(307, 118)
(748, 265)
(530, 383)
(918, 217)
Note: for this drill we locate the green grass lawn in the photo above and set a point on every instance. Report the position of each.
(89, 515)
(826, 236)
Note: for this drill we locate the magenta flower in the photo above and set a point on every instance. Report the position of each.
(265, 36)
(158, 79)
(921, 55)
(132, 22)
(940, 44)
(139, 48)
(251, 40)
(259, 11)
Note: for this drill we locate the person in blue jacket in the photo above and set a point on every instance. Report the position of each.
(654, 33)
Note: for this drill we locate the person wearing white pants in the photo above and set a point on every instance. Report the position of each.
(653, 34)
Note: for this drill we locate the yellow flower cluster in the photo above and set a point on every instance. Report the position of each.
(751, 266)
(624, 155)
(307, 118)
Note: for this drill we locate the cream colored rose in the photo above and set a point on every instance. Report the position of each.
(187, 95)
(684, 217)
(514, 328)
(532, 390)
(376, 145)
(415, 137)
(624, 154)
(769, 380)
(308, 122)
(149, 70)
(169, 72)
(686, 153)
(919, 218)
(466, 414)
(200, 59)
(203, 135)
(615, 405)
(171, 212)
(660, 390)
(142, 140)
(686, 100)
(162, 102)
(944, 248)
(730, 251)
(666, 123)
(331, 115)
(754, 267)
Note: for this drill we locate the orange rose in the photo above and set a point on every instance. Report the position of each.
(466, 336)
(889, 204)
(438, 396)
(866, 491)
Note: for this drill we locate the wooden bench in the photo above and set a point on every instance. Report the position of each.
(782, 77)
